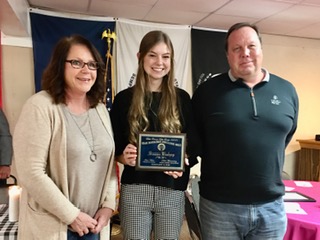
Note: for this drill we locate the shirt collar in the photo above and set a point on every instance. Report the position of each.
(265, 79)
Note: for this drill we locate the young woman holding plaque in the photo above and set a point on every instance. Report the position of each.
(152, 200)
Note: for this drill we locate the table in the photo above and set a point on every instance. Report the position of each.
(305, 227)
(309, 160)
(8, 230)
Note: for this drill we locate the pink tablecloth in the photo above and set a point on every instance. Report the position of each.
(305, 227)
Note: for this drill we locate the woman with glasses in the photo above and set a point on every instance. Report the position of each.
(64, 149)
(152, 200)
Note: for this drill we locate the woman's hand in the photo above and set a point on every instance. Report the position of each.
(176, 174)
(102, 216)
(4, 172)
(129, 155)
(83, 223)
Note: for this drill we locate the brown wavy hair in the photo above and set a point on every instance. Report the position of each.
(168, 113)
(53, 79)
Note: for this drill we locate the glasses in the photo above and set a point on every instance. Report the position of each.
(78, 64)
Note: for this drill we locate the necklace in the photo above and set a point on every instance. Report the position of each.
(93, 155)
(156, 115)
(154, 104)
(154, 121)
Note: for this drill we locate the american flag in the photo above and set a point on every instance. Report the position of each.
(109, 90)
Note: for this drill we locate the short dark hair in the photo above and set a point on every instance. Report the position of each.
(238, 26)
(53, 78)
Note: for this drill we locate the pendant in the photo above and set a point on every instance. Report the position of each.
(93, 157)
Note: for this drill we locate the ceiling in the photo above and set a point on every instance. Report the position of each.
(298, 18)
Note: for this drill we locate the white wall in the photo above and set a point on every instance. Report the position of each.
(297, 60)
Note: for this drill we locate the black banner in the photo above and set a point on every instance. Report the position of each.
(208, 55)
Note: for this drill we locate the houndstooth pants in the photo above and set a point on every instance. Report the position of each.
(145, 208)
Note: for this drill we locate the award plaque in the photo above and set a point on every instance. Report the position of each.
(160, 151)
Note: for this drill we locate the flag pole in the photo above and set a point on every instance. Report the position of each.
(109, 60)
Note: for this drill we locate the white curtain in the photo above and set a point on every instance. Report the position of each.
(130, 33)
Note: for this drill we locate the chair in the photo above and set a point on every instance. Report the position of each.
(195, 192)
(192, 207)
(115, 225)
(285, 176)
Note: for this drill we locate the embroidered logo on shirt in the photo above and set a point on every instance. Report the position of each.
(275, 100)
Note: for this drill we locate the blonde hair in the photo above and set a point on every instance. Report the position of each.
(168, 113)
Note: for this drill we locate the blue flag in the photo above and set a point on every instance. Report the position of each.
(47, 30)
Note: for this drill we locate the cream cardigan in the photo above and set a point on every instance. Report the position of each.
(39, 143)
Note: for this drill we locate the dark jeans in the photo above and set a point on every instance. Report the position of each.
(89, 236)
